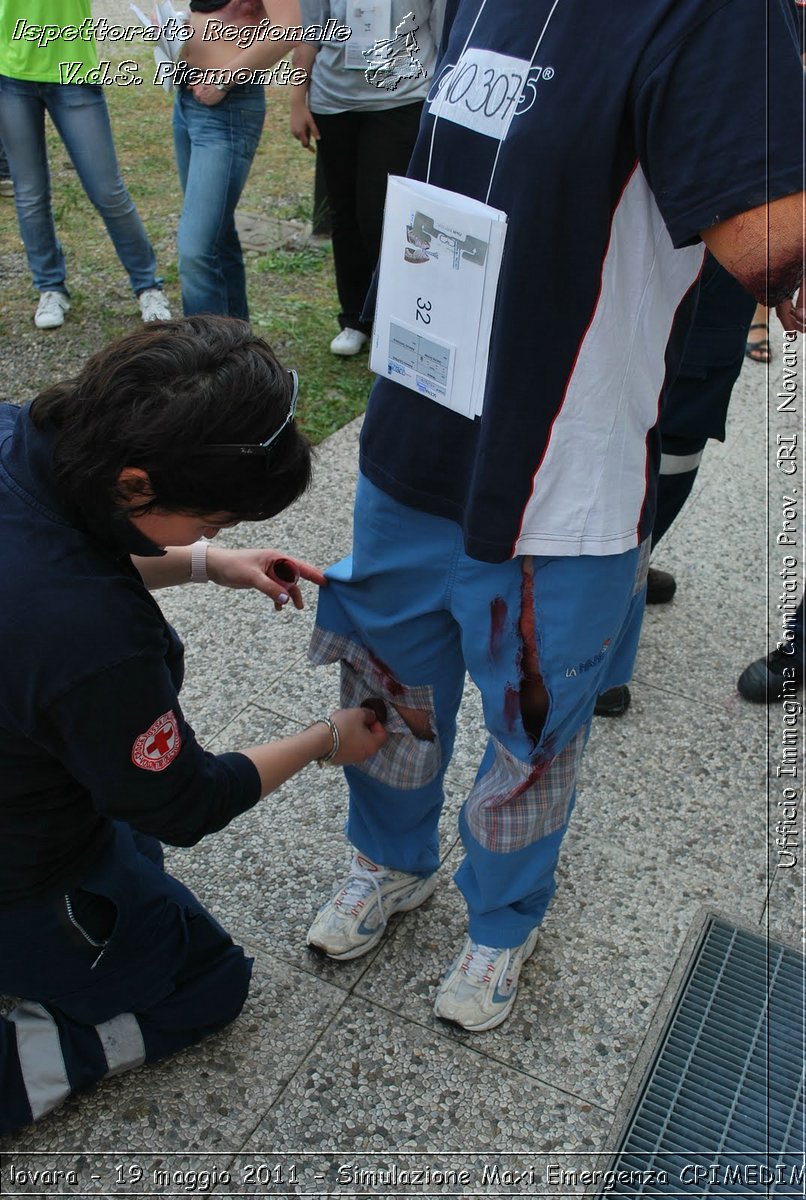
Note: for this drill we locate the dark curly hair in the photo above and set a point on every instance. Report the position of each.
(155, 400)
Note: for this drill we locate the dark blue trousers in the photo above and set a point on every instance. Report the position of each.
(124, 969)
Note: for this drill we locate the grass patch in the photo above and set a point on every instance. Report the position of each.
(292, 293)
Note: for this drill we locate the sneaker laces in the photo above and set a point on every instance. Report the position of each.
(479, 961)
(50, 303)
(358, 887)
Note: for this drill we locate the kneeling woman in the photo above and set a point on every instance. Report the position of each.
(165, 437)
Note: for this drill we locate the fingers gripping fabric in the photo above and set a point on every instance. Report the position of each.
(405, 761)
(516, 803)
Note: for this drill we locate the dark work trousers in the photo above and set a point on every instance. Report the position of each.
(697, 405)
(125, 969)
(357, 151)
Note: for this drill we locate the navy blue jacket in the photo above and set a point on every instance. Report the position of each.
(90, 724)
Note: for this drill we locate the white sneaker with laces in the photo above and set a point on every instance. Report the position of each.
(349, 341)
(50, 310)
(154, 305)
(480, 988)
(355, 919)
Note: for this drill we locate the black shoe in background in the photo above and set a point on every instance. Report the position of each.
(614, 702)
(763, 681)
(660, 586)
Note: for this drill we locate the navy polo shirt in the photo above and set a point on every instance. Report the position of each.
(610, 134)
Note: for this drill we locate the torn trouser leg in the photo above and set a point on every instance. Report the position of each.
(125, 969)
(570, 631)
(384, 616)
(540, 638)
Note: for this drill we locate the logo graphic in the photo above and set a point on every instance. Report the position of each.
(391, 60)
(155, 749)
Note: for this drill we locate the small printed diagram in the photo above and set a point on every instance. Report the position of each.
(425, 239)
(392, 60)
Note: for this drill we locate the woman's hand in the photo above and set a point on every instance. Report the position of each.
(303, 126)
(251, 569)
(360, 735)
(208, 93)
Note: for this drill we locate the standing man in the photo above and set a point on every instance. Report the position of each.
(619, 140)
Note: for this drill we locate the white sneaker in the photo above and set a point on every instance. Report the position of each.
(480, 988)
(355, 919)
(349, 341)
(50, 310)
(154, 305)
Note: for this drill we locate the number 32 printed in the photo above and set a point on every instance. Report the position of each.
(423, 312)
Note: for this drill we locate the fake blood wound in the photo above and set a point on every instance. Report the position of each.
(498, 617)
(391, 684)
(282, 570)
(534, 699)
(156, 749)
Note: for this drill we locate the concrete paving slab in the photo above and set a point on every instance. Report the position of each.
(604, 953)
(377, 1084)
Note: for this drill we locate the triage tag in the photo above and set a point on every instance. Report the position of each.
(370, 22)
(439, 267)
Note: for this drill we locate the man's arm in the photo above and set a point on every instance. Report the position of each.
(764, 248)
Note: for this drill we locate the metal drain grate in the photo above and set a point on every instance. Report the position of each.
(721, 1112)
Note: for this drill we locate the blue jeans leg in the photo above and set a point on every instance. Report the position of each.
(215, 146)
(81, 118)
(22, 130)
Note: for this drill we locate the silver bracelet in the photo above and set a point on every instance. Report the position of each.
(334, 733)
(198, 562)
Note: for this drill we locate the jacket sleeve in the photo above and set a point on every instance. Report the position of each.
(122, 736)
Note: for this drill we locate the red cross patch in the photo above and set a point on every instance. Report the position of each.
(155, 749)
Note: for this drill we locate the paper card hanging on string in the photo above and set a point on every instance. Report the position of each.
(168, 47)
(439, 266)
(370, 22)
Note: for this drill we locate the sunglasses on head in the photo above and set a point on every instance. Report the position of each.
(239, 448)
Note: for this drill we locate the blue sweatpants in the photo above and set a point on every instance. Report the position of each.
(407, 615)
(125, 969)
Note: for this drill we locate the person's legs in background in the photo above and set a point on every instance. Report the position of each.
(358, 151)
(215, 146)
(338, 152)
(22, 130)
(757, 348)
(81, 117)
(6, 184)
(696, 409)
